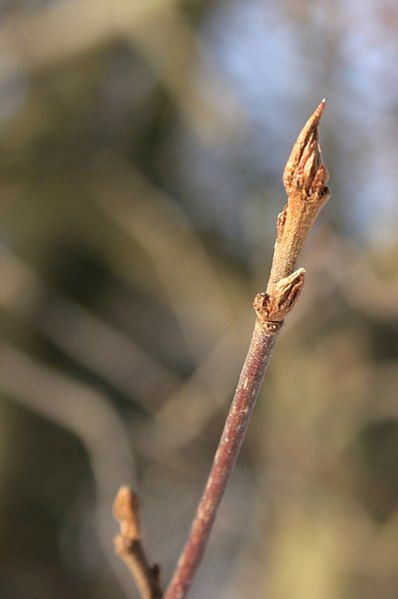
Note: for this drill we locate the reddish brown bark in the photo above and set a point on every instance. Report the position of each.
(305, 179)
(250, 380)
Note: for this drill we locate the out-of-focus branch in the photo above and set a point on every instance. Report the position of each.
(193, 305)
(90, 340)
(61, 30)
(129, 547)
(87, 414)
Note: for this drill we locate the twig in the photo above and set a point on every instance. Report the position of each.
(129, 547)
(305, 179)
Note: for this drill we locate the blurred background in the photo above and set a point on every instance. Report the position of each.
(142, 144)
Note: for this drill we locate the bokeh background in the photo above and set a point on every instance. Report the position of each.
(141, 149)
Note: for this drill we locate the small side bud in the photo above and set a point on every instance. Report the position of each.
(287, 291)
(126, 512)
(273, 308)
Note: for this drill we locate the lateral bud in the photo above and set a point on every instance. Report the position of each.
(271, 309)
(125, 511)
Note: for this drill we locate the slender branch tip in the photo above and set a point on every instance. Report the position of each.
(305, 177)
(305, 157)
(129, 547)
(126, 512)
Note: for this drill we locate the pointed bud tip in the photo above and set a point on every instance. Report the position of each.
(316, 115)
